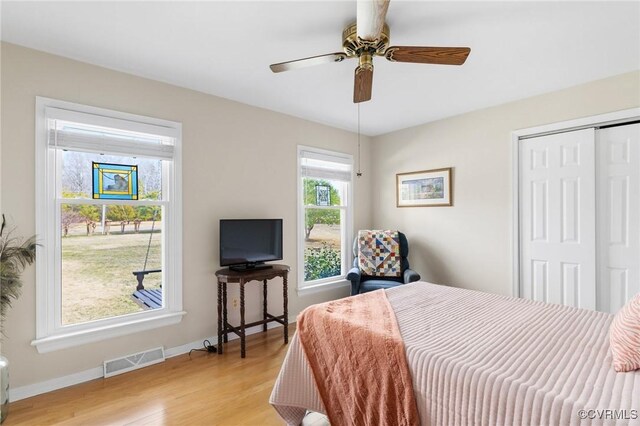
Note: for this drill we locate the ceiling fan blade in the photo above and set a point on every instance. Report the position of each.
(362, 85)
(370, 18)
(428, 55)
(308, 62)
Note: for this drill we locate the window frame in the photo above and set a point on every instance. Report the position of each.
(310, 287)
(51, 335)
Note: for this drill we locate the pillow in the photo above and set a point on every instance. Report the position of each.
(624, 336)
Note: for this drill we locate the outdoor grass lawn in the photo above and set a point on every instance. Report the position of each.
(97, 279)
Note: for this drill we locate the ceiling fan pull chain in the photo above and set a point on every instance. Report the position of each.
(359, 173)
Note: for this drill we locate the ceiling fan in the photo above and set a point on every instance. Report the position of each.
(369, 37)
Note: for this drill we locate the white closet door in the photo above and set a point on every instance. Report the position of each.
(557, 219)
(618, 216)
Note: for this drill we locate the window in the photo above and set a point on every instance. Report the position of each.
(325, 217)
(108, 219)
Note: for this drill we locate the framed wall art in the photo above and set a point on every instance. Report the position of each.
(426, 188)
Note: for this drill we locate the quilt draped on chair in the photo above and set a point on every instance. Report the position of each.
(379, 253)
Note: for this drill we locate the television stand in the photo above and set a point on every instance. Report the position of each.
(226, 276)
(250, 267)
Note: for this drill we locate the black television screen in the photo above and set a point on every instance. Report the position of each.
(250, 241)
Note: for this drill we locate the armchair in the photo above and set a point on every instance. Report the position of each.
(361, 283)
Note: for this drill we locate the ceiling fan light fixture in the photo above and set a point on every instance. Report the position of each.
(369, 37)
(352, 44)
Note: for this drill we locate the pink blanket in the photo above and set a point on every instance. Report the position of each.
(358, 361)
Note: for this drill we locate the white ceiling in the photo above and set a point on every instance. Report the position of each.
(518, 49)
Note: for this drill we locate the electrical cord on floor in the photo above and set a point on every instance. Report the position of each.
(207, 347)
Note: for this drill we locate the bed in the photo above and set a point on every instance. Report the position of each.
(479, 358)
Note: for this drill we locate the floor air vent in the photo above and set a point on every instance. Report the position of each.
(133, 362)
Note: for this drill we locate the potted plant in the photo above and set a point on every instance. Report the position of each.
(15, 255)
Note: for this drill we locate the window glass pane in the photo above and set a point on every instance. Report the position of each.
(323, 243)
(323, 192)
(99, 258)
(77, 172)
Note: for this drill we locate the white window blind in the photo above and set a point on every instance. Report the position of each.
(71, 130)
(325, 166)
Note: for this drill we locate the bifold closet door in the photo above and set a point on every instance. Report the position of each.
(557, 218)
(618, 215)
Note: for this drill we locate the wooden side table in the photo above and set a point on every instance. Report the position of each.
(226, 276)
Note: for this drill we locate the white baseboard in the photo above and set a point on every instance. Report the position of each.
(34, 389)
(27, 391)
(198, 344)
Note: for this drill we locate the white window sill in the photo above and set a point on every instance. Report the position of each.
(317, 288)
(81, 337)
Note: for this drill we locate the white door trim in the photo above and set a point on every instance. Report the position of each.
(600, 120)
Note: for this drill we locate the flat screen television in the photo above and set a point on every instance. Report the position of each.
(248, 243)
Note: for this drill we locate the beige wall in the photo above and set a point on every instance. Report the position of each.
(230, 151)
(1, 211)
(469, 244)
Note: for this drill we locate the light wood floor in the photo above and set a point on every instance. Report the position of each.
(204, 389)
